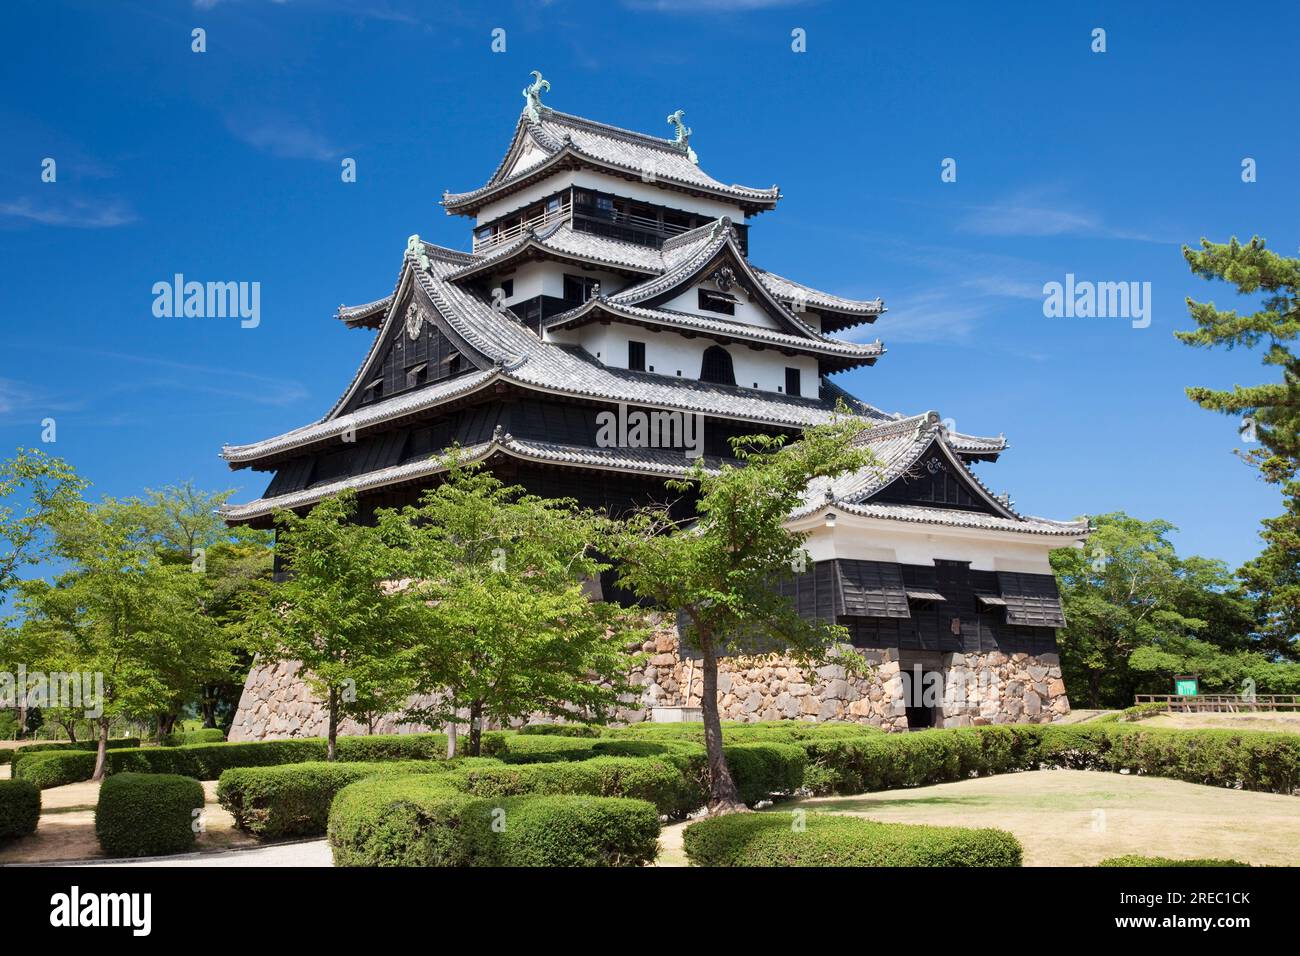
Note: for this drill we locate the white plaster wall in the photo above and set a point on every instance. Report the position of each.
(667, 353)
(747, 310)
(870, 539)
(547, 278)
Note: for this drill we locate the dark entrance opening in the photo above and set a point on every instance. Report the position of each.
(922, 675)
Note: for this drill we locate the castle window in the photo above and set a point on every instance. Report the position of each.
(636, 356)
(417, 375)
(508, 288)
(578, 289)
(792, 382)
(719, 302)
(373, 391)
(717, 366)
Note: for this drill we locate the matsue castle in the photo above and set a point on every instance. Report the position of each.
(609, 279)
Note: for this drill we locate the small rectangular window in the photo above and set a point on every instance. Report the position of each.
(792, 382)
(417, 374)
(719, 302)
(636, 356)
(578, 289)
(508, 288)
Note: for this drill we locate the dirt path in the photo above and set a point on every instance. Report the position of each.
(67, 828)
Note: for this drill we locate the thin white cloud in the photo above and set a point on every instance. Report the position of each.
(710, 6)
(1037, 213)
(71, 213)
(283, 138)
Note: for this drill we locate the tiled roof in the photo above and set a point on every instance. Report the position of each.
(386, 410)
(741, 331)
(562, 240)
(561, 135)
(954, 518)
(897, 447)
(789, 290)
(653, 462)
(368, 314)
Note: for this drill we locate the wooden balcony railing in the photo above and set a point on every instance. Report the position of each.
(518, 229)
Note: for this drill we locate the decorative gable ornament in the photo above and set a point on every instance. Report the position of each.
(415, 249)
(415, 319)
(533, 97)
(724, 277)
(682, 135)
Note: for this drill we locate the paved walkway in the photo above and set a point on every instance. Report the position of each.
(308, 853)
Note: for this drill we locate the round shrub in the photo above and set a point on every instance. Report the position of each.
(147, 814)
(578, 831)
(775, 839)
(20, 808)
(761, 771)
(420, 821)
(409, 821)
(1165, 861)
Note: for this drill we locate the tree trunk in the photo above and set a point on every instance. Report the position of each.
(723, 796)
(208, 704)
(1094, 689)
(332, 746)
(70, 728)
(101, 753)
(475, 728)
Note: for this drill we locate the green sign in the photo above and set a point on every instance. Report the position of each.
(1185, 686)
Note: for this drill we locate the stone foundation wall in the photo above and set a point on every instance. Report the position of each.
(977, 690)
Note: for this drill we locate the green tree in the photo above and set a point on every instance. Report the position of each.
(333, 613)
(497, 616)
(119, 612)
(187, 530)
(1129, 590)
(33, 486)
(1270, 412)
(721, 569)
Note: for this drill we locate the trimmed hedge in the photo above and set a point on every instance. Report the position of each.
(771, 839)
(147, 814)
(761, 770)
(418, 821)
(207, 761)
(294, 799)
(579, 831)
(20, 808)
(18, 754)
(45, 770)
(560, 730)
(653, 781)
(1166, 861)
(205, 735)
(1259, 760)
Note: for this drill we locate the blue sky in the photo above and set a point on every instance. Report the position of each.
(225, 165)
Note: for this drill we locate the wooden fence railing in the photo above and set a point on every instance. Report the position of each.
(1221, 703)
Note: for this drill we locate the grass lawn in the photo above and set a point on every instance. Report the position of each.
(1080, 817)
